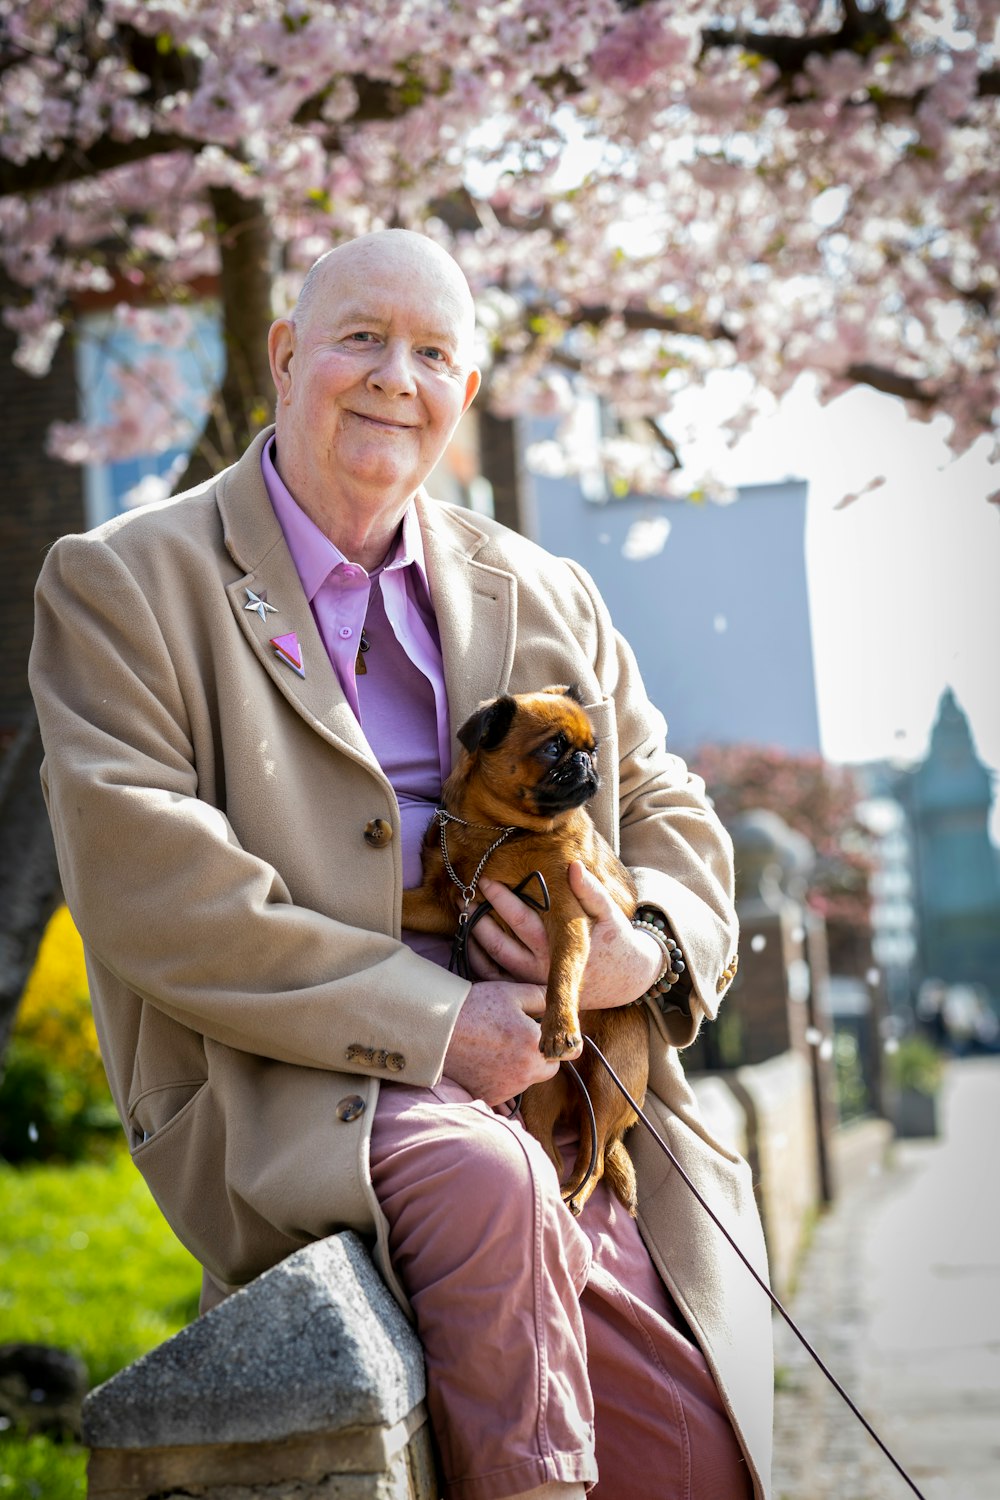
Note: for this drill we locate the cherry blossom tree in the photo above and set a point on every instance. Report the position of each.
(820, 801)
(640, 193)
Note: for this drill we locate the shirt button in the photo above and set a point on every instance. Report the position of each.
(350, 1108)
(350, 572)
(378, 832)
(345, 632)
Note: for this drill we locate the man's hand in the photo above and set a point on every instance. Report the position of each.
(522, 953)
(493, 1050)
(623, 961)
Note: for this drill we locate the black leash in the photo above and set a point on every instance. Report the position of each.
(459, 964)
(753, 1272)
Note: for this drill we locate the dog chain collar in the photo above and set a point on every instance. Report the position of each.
(468, 891)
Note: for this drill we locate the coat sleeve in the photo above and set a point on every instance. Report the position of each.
(671, 839)
(165, 897)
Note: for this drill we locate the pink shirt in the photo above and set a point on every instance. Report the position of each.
(400, 701)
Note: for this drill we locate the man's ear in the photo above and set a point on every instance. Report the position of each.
(488, 726)
(280, 349)
(472, 385)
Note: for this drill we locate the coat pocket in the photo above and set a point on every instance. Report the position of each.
(156, 1109)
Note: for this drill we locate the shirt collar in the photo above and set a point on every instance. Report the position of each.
(314, 555)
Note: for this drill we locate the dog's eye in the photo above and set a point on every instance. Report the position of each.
(552, 749)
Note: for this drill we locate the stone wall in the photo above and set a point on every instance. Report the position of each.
(309, 1383)
(767, 1113)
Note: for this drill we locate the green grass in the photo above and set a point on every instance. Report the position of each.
(87, 1263)
(39, 1469)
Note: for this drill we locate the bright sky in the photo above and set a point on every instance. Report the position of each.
(904, 582)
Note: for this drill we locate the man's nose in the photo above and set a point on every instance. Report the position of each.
(393, 372)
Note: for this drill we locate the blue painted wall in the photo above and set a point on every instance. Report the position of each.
(719, 619)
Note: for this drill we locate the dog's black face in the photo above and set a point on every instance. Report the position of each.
(570, 777)
(536, 751)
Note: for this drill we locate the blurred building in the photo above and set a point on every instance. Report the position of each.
(948, 798)
(712, 598)
(892, 886)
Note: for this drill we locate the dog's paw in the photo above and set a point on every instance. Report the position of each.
(557, 1042)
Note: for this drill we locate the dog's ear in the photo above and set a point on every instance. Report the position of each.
(488, 726)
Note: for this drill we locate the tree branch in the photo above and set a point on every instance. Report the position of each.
(636, 320)
(891, 382)
(43, 174)
(664, 441)
(860, 30)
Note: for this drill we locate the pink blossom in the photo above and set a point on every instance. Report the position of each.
(604, 159)
(646, 42)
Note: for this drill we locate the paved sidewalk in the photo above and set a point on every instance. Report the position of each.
(900, 1295)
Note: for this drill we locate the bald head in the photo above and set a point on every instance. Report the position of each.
(401, 249)
(372, 371)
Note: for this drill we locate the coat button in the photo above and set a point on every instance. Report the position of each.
(350, 1108)
(378, 832)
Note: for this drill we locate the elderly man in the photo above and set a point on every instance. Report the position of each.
(247, 697)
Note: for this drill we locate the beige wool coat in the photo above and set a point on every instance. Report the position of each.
(216, 820)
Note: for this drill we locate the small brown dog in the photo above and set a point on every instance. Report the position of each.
(515, 803)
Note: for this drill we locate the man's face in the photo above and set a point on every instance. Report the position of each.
(375, 374)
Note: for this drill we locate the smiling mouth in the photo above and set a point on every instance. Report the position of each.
(385, 422)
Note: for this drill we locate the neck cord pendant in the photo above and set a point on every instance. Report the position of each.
(468, 891)
(360, 669)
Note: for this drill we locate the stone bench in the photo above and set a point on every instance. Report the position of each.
(306, 1385)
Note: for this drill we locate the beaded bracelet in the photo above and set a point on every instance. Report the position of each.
(650, 919)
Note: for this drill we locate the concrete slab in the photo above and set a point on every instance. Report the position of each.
(900, 1294)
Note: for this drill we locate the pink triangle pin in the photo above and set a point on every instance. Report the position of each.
(288, 649)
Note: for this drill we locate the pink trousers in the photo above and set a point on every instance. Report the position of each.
(553, 1349)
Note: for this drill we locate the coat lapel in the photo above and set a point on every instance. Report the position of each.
(255, 541)
(475, 605)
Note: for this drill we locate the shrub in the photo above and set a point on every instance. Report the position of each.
(54, 1098)
(915, 1064)
(852, 1091)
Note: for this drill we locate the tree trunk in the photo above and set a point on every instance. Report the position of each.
(245, 400)
(500, 464)
(29, 880)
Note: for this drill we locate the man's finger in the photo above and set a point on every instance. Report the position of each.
(519, 916)
(532, 1000)
(481, 964)
(589, 891)
(513, 958)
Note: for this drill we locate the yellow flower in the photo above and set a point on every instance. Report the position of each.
(55, 1016)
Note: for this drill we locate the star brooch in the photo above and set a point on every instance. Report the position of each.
(257, 603)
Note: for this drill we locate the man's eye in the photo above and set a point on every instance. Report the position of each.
(363, 336)
(438, 355)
